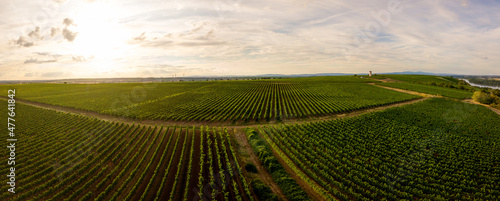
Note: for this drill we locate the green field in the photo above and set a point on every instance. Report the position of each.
(437, 150)
(217, 101)
(428, 89)
(424, 149)
(68, 157)
(420, 78)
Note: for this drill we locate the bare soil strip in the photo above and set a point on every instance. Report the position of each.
(406, 91)
(470, 101)
(240, 136)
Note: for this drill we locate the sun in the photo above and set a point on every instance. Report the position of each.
(99, 35)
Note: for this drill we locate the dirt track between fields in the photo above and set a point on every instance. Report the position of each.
(406, 91)
(470, 101)
(239, 135)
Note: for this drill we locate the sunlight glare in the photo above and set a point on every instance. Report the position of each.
(99, 35)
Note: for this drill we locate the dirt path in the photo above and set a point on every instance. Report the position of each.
(385, 80)
(470, 101)
(406, 91)
(239, 135)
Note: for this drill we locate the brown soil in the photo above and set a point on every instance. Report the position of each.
(153, 165)
(169, 182)
(406, 91)
(470, 101)
(265, 177)
(181, 184)
(141, 166)
(195, 168)
(151, 194)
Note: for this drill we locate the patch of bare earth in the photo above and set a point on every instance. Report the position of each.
(406, 91)
(470, 101)
(264, 175)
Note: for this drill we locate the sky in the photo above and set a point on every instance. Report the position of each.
(57, 39)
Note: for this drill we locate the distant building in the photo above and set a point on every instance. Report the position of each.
(370, 73)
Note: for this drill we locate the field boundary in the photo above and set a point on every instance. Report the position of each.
(408, 91)
(262, 171)
(470, 101)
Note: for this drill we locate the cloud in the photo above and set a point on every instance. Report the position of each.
(164, 69)
(48, 54)
(31, 74)
(159, 43)
(141, 37)
(68, 22)
(195, 29)
(35, 34)
(79, 58)
(199, 34)
(465, 3)
(208, 43)
(69, 35)
(36, 61)
(55, 74)
(54, 31)
(23, 42)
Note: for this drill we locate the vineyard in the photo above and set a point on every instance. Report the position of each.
(421, 78)
(434, 90)
(433, 150)
(428, 149)
(68, 157)
(260, 100)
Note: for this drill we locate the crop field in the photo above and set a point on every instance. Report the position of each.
(421, 78)
(218, 101)
(68, 157)
(434, 90)
(433, 150)
(424, 149)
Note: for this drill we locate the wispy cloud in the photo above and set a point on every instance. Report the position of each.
(36, 61)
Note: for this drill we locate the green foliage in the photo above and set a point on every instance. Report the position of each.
(261, 100)
(441, 81)
(447, 92)
(435, 150)
(251, 168)
(485, 81)
(422, 78)
(262, 191)
(62, 156)
(483, 97)
(288, 185)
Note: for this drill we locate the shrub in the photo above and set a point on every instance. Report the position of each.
(482, 97)
(262, 191)
(251, 168)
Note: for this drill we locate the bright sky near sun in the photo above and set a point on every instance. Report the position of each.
(55, 39)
